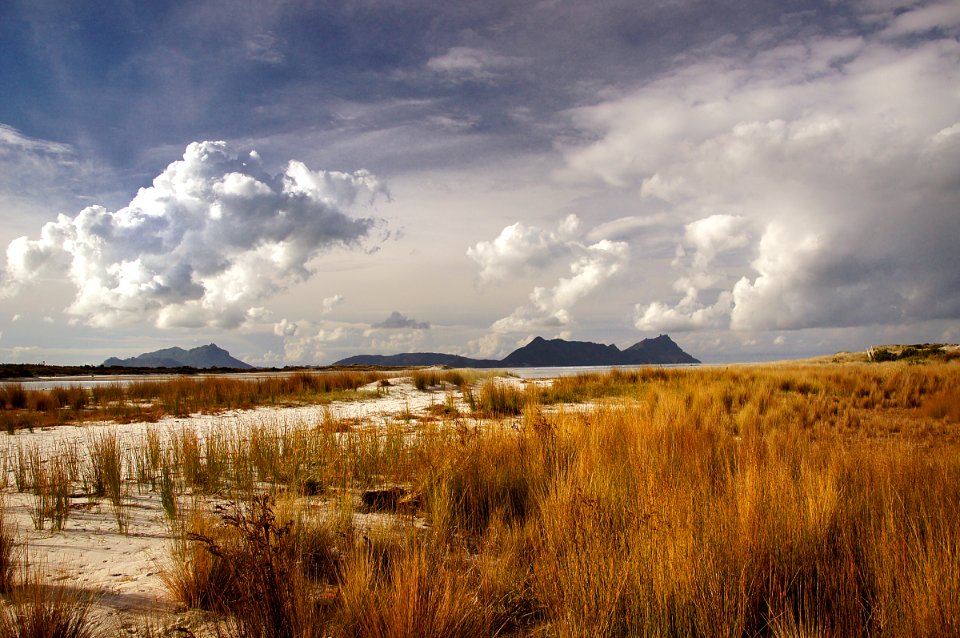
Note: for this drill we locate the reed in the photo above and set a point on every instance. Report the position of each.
(108, 461)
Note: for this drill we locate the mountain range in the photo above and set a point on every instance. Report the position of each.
(209, 356)
(541, 353)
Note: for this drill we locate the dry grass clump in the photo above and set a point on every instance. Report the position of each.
(428, 378)
(33, 608)
(39, 610)
(195, 577)
(496, 399)
(9, 552)
(408, 589)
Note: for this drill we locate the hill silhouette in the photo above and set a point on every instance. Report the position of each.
(543, 353)
(208, 356)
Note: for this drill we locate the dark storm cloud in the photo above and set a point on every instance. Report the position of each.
(118, 78)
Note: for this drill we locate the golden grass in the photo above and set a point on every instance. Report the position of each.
(148, 400)
(39, 610)
(748, 501)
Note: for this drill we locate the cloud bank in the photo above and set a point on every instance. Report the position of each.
(816, 183)
(211, 238)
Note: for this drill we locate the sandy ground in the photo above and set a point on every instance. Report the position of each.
(90, 552)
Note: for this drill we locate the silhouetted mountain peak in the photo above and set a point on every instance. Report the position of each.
(208, 356)
(661, 349)
(546, 353)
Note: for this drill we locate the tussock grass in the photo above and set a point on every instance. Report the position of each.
(496, 399)
(39, 610)
(108, 461)
(429, 378)
(413, 590)
(9, 551)
(751, 501)
(195, 577)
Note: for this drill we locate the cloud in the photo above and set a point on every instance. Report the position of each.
(308, 343)
(329, 303)
(262, 47)
(461, 64)
(35, 171)
(210, 239)
(549, 309)
(397, 321)
(13, 141)
(708, 238)
(812, 184)
(943, 16)
(626, 228)
(522, 249)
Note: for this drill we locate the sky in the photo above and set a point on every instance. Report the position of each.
(303, 181)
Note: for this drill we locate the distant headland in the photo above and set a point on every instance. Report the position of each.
(542, 353)
(202, 357)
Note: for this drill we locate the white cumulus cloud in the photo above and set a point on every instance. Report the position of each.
(212, 237)
(523, 249)
(550, 308)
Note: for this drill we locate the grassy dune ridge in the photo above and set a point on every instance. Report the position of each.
(783, 500)
(149, 400)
